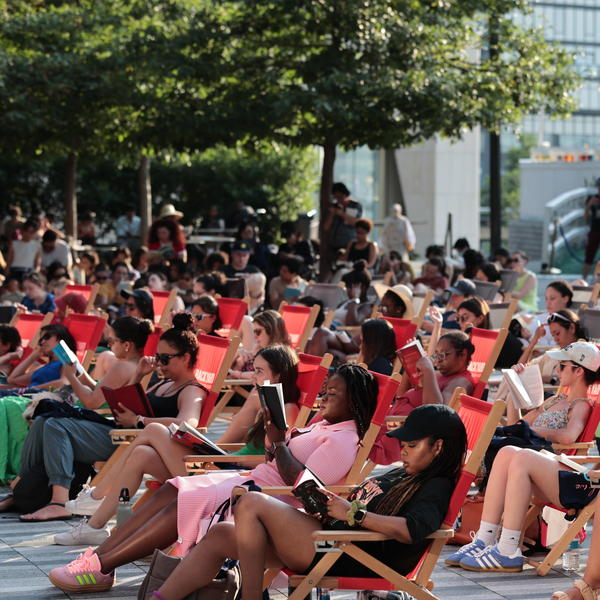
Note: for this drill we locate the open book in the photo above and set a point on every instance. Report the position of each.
(409, 355)
(308, 489)
(525, 389)
(271, 397)
(189, 436)
(563, 459)
(67, 356)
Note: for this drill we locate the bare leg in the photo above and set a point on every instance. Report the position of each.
(258, 539)
(156, 520)
(60, 495)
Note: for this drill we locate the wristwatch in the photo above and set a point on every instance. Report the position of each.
(139, 422)
(359, 516)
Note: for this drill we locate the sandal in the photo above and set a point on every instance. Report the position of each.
(62, 518)
(587, 593)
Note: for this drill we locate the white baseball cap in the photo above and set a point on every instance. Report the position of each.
(583, 354)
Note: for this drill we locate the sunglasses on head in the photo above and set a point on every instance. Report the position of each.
(557, 317)
(199, 317)
(164, 359)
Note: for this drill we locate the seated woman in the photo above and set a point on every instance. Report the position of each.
(525, 289)
(407, 504)
(361, 248)
(377, 346)
(562, 418)
(395, 302)
(138, 304)
(559, 296)
(518, 474)
(475, 312)
(29, 374)
(433, 276)
(10, 350)
(402, 272)
(57, 442)
(565, 328)
(37, 299)
(268, 328)
(205, 315)
(177, 398)
(277, 364)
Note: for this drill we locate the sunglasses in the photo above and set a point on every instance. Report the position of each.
(556, 317)
(45, 337)
(164, 359)
(200, 317)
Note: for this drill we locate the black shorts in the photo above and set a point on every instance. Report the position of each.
(574, 490)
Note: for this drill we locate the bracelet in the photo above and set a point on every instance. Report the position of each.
(356, 506)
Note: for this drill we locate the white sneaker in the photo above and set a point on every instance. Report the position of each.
(82, 535)
(84, 504)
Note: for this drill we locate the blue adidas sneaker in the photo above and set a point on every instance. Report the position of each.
(489, 559)
(474, 547)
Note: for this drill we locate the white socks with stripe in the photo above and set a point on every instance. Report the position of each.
(509, 541)
(487, 533)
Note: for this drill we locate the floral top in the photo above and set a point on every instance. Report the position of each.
(555, 419)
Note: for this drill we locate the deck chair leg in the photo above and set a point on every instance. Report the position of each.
(312, 579)
(220, 405)
(114, 457)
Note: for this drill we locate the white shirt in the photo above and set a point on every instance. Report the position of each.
(123, 226)
(24, 253)
(61, 253)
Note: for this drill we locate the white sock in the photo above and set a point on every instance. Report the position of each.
(487, 532)
(509, 541)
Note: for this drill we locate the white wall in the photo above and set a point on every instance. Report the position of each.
(439, 177)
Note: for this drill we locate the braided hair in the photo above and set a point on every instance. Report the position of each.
(362, 390)
(447, 463)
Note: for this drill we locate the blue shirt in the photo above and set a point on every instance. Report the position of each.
(48, 305)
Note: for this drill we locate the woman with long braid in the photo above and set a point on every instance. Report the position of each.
(183, 505)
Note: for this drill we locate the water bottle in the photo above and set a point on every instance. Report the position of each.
(124, 507)
(570, 557)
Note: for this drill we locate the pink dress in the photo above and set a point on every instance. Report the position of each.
(326, 449)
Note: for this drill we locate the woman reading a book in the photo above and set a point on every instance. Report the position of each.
(180, 509)
(176, 398)
(57, 441)
(519, 473)
(562, 417)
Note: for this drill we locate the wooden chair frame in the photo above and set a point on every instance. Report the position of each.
(420, 314)
(163, 319)
(44, 320)
(90, 290)
(511, 307)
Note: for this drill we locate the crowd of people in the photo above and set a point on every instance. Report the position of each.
(378, 283)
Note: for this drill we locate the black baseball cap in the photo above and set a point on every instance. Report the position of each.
(426, 420)
(143, 297)
(463, 287)
(241, 246)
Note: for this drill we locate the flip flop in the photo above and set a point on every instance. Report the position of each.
(65, 518)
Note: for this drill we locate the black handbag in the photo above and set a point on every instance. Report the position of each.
(224, 587)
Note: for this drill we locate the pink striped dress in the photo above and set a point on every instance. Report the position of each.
(326, 449)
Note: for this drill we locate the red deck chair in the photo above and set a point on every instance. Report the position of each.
(299, 320)
(480, 419)
(29, 325)
(87, 331)
(162, 303)
(487, 348)
(151, 346)
(231, 313)
(89, 292)
(404, 330)
(312, 371)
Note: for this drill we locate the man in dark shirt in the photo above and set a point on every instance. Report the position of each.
(342, 217)
(592, 212)
(238, 260)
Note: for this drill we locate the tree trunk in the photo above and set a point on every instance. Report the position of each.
(145, 196)
(71, 197)
(324, 208)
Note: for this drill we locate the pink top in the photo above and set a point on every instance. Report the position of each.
(386, 450)
(326, 449)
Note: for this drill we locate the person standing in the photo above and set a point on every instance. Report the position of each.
(342, 217)
(592, 213)
(127, 228)
(398, 233)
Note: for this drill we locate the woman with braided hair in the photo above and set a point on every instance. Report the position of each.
(183, 506)
(406, 504)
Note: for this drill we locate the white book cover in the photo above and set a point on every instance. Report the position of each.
(526, 389)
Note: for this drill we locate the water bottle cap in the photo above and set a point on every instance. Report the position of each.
(124, 495)
(574, 545)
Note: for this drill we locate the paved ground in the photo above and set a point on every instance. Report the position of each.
(27, 555)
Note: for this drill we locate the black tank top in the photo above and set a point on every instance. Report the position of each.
(166, 406)
(595, 217)
(357, 254)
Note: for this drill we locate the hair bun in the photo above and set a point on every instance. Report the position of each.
(182, 321)
(146, 326)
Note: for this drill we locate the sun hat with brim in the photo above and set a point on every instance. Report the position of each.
(168, 210)
(426, 420)
(402, 291)
(583, 354)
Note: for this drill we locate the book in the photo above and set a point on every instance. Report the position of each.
(189, 436)
(67, 356)
(291, 293)
(131, 396)
(308, 488)
(409, 355)
(271, 397)
(526, 389)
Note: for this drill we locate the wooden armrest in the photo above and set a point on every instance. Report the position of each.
(595, 474)
(583, 459)
(123, 436)
(232, 382)
(574, 446)
(394, 421)
(342, 535)
(227, 458)
(232, 447)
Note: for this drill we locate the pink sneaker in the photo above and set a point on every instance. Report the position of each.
(82, 575)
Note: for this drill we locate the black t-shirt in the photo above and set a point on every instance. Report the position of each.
(594, 214)
(424, 513)
(231, 272)
(381, 365)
